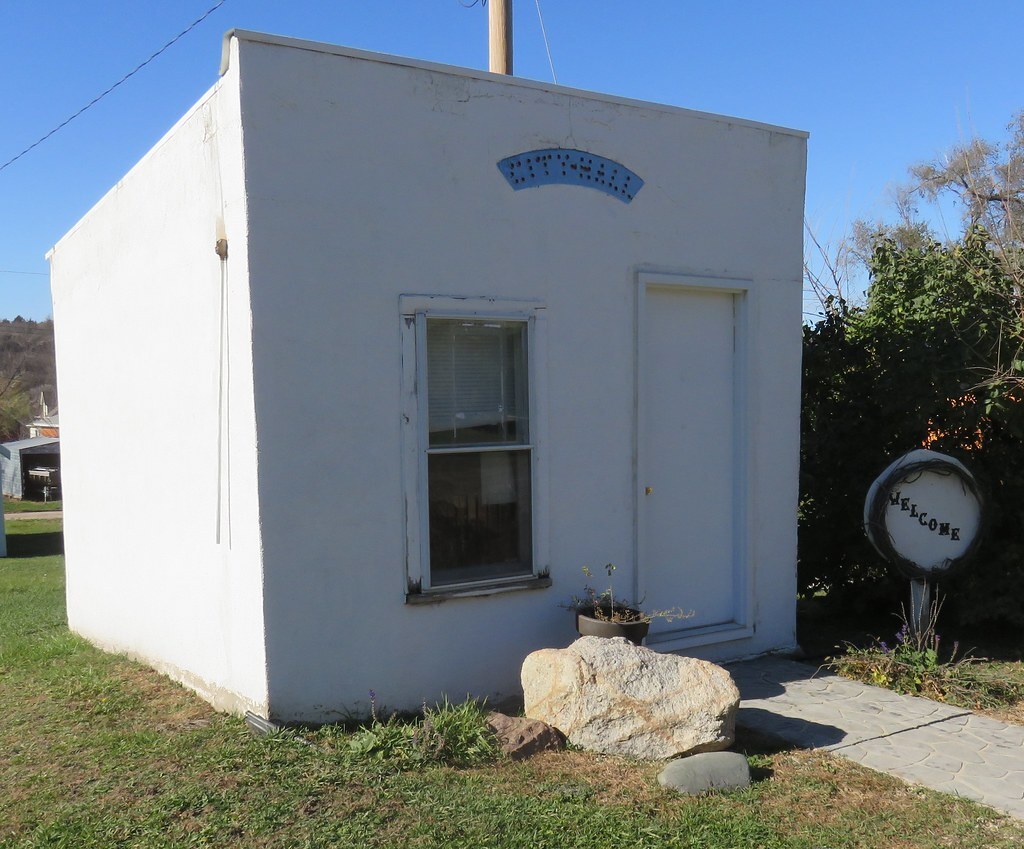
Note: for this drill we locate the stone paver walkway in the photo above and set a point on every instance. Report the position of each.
(924, 742)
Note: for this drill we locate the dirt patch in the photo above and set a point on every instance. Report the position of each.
(161, 704)
(1013, 714)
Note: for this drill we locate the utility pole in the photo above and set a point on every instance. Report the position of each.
(500, 36)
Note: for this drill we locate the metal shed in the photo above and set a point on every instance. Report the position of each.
(17, 458)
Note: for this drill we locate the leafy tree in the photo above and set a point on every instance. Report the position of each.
(987, 180)
(984, 180)
(839, 449)
(27, 368)
(15, 409)
(933, 357)
(913, 367)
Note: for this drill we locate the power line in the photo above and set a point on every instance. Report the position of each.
(543, 30)
(40, 273)
(547, 47)
(127, 76)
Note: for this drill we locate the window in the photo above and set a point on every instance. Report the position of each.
(471, 448)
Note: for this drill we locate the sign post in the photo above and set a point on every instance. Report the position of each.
(920, 602)
(924, 515)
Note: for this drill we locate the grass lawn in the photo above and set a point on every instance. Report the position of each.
(97, 751)
(13, 505)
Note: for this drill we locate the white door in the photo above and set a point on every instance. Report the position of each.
(690, 546)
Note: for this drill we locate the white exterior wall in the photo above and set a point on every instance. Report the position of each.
(372, 179)
(161, 520)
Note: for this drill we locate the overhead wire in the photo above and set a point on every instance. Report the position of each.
(547, 47)
(126, 77)
(543, 30)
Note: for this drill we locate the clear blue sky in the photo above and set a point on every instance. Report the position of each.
(879, 85)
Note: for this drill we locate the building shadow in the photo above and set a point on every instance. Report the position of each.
(44, 544)
(788, 732)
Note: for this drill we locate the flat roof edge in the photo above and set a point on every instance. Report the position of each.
(456, 70)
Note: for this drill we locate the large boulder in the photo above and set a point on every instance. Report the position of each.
(607, 695)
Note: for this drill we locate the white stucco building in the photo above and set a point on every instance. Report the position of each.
(413, 345)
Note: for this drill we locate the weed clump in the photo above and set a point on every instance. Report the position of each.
(916, 664)
(446, 734)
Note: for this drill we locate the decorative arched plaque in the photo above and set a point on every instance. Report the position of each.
(566, 166)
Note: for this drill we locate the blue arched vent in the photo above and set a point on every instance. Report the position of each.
(573, 167)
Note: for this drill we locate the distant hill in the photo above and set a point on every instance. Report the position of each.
(27, 368)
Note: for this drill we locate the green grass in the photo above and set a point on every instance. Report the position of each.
(13, 505)
(97, 751)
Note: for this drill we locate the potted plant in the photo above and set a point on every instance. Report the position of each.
(601, 614)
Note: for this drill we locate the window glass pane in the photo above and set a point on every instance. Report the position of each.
(480, 523)
(476, 382)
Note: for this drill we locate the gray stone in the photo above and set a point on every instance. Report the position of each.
(708, 771)
(520, 737)
(607, 695)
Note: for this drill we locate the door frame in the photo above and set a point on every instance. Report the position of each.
(741, 626)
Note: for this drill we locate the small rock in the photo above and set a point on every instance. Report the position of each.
(708, 771)
(520, 737)
(607, 695)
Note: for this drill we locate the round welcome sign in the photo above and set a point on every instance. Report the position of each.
(924, 514)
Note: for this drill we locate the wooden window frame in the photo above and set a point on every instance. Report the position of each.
(415, 310)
